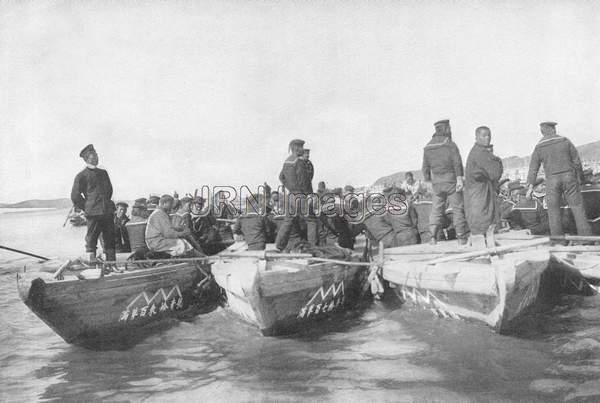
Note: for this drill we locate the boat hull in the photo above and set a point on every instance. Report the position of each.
(498, 294)
(287, 297)
(118, 310)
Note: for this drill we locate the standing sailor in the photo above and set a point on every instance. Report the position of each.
(92, 193)
(563, 171)
(482, 173)
(296, 177)
(442, 165)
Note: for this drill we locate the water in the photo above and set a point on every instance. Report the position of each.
(384, 354)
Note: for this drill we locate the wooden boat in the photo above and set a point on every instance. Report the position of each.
(119, 309)
(467, 284)
(283, 294)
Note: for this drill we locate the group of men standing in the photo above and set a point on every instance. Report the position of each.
(471, 193)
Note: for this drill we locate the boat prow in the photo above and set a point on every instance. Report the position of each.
(282, 295)
(120, 309)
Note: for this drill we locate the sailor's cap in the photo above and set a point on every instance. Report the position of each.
(548, 124)
(86, 149)
(443, 122)
(297, 142)
(121, 203)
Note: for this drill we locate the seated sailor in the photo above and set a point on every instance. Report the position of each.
(253, 223)
(121, 235)
(161, 236)
(139, 211)
(403, 217)
(526, 214)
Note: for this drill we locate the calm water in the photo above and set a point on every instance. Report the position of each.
(383, 355)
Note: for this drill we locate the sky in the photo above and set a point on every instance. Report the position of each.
(179, 94)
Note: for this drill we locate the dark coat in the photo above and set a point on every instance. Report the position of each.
(254, 228)
(441, 160)
(482, 174)
(557, 155)
(92, 192)
(295, 175)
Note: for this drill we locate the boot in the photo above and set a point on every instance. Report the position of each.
(92, 258)
(111, 257)
(433, 229)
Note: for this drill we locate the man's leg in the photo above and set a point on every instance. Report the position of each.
(91, 237)
(438, 207)
(457, 204)
(553, 193)
(108, 234)
(575, 201)
(283, 235)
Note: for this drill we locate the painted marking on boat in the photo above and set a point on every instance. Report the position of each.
(160, 301)
(324, 301)
(430, 299)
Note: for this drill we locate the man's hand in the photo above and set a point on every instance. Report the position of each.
(459, 184)
(529, 192)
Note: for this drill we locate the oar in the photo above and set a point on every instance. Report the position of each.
(575, 238)
(492, 251)
(68, 215)
(24, 253)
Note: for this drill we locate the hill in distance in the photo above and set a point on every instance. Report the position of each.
(52, 203)
(590, 151)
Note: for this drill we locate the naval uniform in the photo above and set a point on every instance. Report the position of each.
(295, 176)
(92, 193)
(562, 168)
(441, 165)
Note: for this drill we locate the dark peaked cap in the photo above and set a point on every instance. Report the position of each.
(443, 122)
(549, 124)
(297, 142)
(86, 149)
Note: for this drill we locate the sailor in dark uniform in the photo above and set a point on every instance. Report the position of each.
(92, 193)
(121, 235)
(563, 171)
(295, 176)
(442, 165)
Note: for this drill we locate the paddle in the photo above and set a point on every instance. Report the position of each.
(24, 253)
(68, 215)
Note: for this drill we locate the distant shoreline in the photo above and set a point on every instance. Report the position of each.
(9, 210)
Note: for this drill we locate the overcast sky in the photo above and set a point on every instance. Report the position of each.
(179, 94)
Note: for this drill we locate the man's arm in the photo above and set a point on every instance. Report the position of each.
(76, 193)
(576, 161)
(426, 168)
(456, 160)
(109, 186)
(534, 167)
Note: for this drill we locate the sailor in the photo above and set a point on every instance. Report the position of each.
(139, 211)
(403, 217)
(442, 165)
(413, 189)
(529, 214)
(253, 223)
(482, 173)
(376, 224)
(121, 235)
(153, 202)
(563, 171)
(161, 236)
(204, 225)
(511, 200)
(588, 176)
(295, 176)
(92, 193)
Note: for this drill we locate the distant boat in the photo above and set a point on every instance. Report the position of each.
(282, 294)
(118, 310)
(498, 293)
